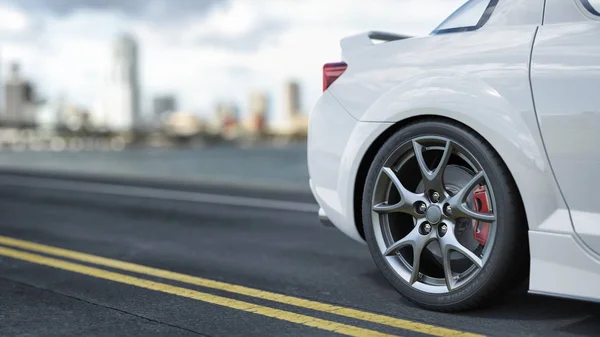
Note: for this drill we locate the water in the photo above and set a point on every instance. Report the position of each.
(285, 166)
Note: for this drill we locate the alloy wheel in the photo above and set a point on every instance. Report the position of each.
(434, 214)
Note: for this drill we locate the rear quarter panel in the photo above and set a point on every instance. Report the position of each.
(478, 78)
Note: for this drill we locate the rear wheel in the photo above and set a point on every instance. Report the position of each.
(443, 219)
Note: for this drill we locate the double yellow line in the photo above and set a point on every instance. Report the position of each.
(340, 328)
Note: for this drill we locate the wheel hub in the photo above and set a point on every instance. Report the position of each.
(434, 214)
(455, 178)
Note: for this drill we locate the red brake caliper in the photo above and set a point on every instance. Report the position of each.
(482, 205)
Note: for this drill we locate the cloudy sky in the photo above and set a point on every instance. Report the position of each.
(200, 50)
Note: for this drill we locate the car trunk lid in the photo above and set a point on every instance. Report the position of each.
(368, 39)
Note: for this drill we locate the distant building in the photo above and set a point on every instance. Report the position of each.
(256, 122)
(292, 99)
(19, 99)
(162, 104)
(73, 117)
(182, 123)
(227, 115)
(294, 120)
(121, 110)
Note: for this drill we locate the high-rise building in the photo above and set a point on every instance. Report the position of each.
(122, 106)
(295, 120)
(292, 99)
(258, 112)
(162, 104)
(19, 101)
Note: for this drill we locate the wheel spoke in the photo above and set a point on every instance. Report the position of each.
(417, 242)
(385, 208)
(459, 208)
(419, 245)
(467, 253)
(462, 194)
(467, 213)
(449, 243)
(448, 276)
(408, 240)
(407, 198)
(464, 191)
(433, 179)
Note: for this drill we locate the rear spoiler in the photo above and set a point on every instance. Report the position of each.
(367, 39)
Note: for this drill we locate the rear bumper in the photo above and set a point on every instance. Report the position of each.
(329, 131)
(336, 144)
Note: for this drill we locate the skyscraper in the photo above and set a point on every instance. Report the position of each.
(122, 108)
(292, 100)
(19, 100)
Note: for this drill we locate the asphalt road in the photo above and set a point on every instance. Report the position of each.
(190, 243)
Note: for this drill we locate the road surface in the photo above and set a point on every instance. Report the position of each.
(101, 258)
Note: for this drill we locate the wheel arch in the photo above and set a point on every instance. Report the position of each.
(374, 147)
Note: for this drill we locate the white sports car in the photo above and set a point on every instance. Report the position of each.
(468, 160)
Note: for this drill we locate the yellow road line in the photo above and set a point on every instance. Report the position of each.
(290, 300)
(197, 295)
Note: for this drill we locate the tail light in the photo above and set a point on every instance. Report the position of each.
(331, 72)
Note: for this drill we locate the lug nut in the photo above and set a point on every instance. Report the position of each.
(448, 210)
(443, 229)
(421, 208)
(427, 228)
(435, 196)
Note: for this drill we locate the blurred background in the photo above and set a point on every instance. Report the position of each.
(216, 90)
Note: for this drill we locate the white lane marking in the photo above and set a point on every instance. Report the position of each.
(158, 193)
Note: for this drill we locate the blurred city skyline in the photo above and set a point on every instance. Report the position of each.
(201, 53)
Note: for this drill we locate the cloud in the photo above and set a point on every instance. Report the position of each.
(201, 50)
(16, 25)
(148, 9)
(265, 32)
(238, 27)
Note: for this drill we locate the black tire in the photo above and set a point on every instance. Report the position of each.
(508, 264)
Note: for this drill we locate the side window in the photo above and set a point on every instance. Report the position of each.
(470, 16)
(592, 5)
